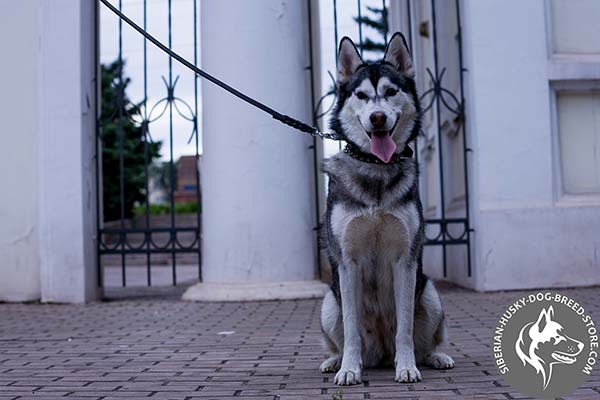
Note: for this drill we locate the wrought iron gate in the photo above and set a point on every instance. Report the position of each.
(132, 231)
(443, 138)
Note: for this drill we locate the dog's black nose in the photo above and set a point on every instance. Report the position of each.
(378, 119)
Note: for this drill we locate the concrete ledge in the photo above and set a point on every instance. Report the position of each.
(255, 291)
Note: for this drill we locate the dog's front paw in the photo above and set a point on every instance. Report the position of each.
(348, 376)
(439, 361)
(407, 374)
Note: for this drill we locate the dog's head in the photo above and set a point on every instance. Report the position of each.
(544, 343)
(377, 107)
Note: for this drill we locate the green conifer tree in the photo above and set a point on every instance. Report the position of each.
(378, 20)
(117, 115)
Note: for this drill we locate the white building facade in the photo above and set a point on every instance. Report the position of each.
(532, 73)
(531, 86)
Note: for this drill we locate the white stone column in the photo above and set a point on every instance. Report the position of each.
(257, 204)
(47, 207)
(19, 235)
(67, 151)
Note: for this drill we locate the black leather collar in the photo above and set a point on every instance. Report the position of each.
(355, 152)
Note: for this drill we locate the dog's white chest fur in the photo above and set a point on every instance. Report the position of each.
(372, 236)
(375, 240)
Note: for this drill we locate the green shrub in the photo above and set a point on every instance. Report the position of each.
(165, 209)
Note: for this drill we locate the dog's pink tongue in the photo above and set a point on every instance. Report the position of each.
(383, 147)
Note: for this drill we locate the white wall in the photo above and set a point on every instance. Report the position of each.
(524, 235)
(48, 208)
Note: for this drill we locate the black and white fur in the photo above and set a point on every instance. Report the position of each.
(381, 308)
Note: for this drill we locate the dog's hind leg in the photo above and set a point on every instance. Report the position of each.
(333, 333)
(430, 330)
(437, 359)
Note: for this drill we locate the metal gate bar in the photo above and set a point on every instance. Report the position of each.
(444, 238)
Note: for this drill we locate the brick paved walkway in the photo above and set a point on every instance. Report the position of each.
(168, 349)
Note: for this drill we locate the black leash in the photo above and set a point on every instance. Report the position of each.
(286, 119)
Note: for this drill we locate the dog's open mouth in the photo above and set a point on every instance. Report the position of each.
(382, 145)
(563, 358)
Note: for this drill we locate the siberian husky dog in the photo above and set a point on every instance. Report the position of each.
(381, 308)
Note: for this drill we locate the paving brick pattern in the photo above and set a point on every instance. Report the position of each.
(167, 349)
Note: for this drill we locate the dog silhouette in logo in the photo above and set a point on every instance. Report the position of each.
(543, 343)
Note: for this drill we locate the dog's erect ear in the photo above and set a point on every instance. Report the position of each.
(397, 54)
(348, 60)
(544, 318)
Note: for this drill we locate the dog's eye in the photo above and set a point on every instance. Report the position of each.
(390, 92)
(362, 95)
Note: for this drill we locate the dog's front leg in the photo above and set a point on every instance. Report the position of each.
(405, 276)
(350, 288)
